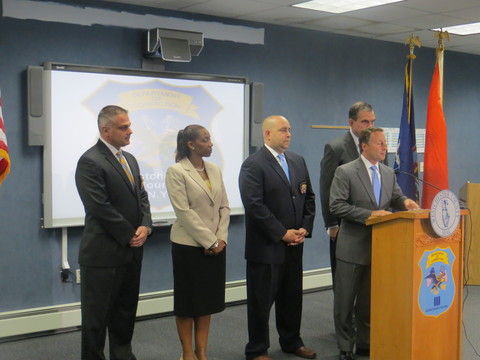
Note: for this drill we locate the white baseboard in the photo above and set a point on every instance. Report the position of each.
(61, 317)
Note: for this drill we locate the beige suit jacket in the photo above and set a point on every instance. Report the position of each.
(202, 215)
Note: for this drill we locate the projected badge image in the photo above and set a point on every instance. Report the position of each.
(158, 111)
(159, 106)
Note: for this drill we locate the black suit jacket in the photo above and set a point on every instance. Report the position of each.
(273, 205)
(338, 151)
(113, 208)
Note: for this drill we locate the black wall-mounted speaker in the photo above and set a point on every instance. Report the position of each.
(36, 113)
(256, 114)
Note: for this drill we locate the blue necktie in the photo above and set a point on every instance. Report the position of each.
(376, 184)
(284, 164)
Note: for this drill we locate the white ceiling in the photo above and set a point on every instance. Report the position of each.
(393, 22)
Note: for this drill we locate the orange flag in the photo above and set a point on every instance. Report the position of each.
(436, 150)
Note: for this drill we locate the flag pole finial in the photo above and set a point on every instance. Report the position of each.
(413, 41)
(442, 35)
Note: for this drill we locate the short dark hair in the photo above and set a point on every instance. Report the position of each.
(365, 134)
(106, 115)
(357, 107)
(190, 133)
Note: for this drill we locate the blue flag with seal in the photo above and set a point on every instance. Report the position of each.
(406, 157)
(437, 286)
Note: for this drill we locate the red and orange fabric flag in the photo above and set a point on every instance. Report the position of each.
(436, 149)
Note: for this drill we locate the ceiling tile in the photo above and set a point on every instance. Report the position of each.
(384, 28)
(387, 13)
(280, 2)
(439, 6)
(229, 8)
(429, 21)
(285, 12)
(470, 15)
(339, 22)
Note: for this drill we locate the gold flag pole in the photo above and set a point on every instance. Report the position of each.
(441, 35)
(412, 41)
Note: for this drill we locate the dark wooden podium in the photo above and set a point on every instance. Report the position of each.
(408, 273)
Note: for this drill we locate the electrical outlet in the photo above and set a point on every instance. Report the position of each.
(64, 274)
(77, 276)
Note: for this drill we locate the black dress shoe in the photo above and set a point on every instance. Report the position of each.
(363, 352)
(346, 355)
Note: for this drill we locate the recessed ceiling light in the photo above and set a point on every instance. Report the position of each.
(465, 29)
(341, 6)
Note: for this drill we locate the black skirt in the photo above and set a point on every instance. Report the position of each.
(198, 281)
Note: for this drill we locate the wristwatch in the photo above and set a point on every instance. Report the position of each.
(149, 230)
(215, 245)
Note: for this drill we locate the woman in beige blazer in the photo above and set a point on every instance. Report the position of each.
(199, 238)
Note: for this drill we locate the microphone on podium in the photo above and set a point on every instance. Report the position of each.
(417, 179)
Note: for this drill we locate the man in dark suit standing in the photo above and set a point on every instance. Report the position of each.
(362, 188)
(117, 223)
(339, 151)
(279, 212)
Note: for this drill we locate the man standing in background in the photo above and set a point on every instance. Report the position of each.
(339, 151)
(117, 223)
(279, 212)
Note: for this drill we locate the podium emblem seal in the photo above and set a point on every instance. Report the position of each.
(437, 287)
(445, 213)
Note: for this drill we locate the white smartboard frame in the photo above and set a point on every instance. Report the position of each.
(72, 96)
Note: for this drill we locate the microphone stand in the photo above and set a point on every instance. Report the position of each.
(417, 179)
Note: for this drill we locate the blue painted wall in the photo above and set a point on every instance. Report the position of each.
(310, 77)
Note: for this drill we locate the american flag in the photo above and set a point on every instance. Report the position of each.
(4, 158)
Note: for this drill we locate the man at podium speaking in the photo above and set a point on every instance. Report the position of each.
(362, 188)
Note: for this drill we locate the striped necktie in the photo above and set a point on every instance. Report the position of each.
(125, 167)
